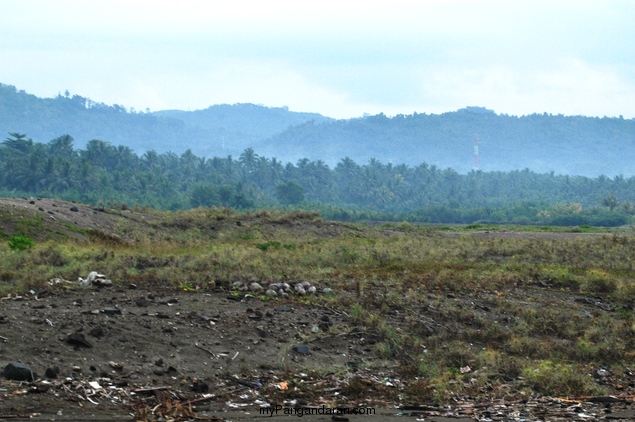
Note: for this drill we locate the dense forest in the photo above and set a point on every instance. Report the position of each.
(104, 173)
(543, 143)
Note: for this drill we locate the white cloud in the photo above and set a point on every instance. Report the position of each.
(339, 58)
(570, 87)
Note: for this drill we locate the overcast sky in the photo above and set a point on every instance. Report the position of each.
(338, 58)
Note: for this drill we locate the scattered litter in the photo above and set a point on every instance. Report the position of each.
(95, 279)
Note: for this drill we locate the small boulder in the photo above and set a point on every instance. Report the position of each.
(52, 372)
(96, 331)
(78, 340)
(19, 371)
(255, 287)
(303, 349)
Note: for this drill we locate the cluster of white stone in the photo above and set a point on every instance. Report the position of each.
(280, 289)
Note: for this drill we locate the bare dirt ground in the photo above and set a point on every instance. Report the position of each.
(128, 353)
(113, 354)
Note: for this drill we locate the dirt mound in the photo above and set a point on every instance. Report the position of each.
(42, 219)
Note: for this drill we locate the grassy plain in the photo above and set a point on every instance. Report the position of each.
(466, 310)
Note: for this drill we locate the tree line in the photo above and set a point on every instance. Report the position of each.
(104, 173)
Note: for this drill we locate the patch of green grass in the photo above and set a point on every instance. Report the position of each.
(553, 378)
(19, 242)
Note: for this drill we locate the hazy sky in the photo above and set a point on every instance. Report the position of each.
(338, 58)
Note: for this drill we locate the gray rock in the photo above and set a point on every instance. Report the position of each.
(303, 349)
(96, 331)
(111, 311)
(300, 290)
(255, 287)
(271, 293)
(311, 290)
(78, 340)
(142, 302)
(52, 372)
(19, 371)
(327, 291)
(305, 284)
(103, 282)
(285, 286)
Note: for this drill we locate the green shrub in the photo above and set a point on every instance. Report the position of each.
(20, 243)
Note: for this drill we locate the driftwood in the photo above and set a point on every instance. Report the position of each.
(204, 349)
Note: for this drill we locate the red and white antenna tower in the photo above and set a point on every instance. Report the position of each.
(476, 151)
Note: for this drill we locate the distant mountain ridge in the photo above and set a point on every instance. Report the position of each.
(219, 130)
(254, 121)
(544, 143)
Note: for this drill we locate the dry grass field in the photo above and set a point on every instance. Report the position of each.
(440, 319)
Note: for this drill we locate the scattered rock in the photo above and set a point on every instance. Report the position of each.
(96, 332)
(74, 209)
(111, 311)
(102, 282)
(52, 372)
(142, 302)
(199, 386)
(19, 371)
(255, 287)
(303, 349)
(256, 315)
(78, 340)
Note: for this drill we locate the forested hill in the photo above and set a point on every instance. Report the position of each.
(219, 130)
(574, 145)
(543, 143)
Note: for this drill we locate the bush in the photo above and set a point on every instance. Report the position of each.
(20, 243)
